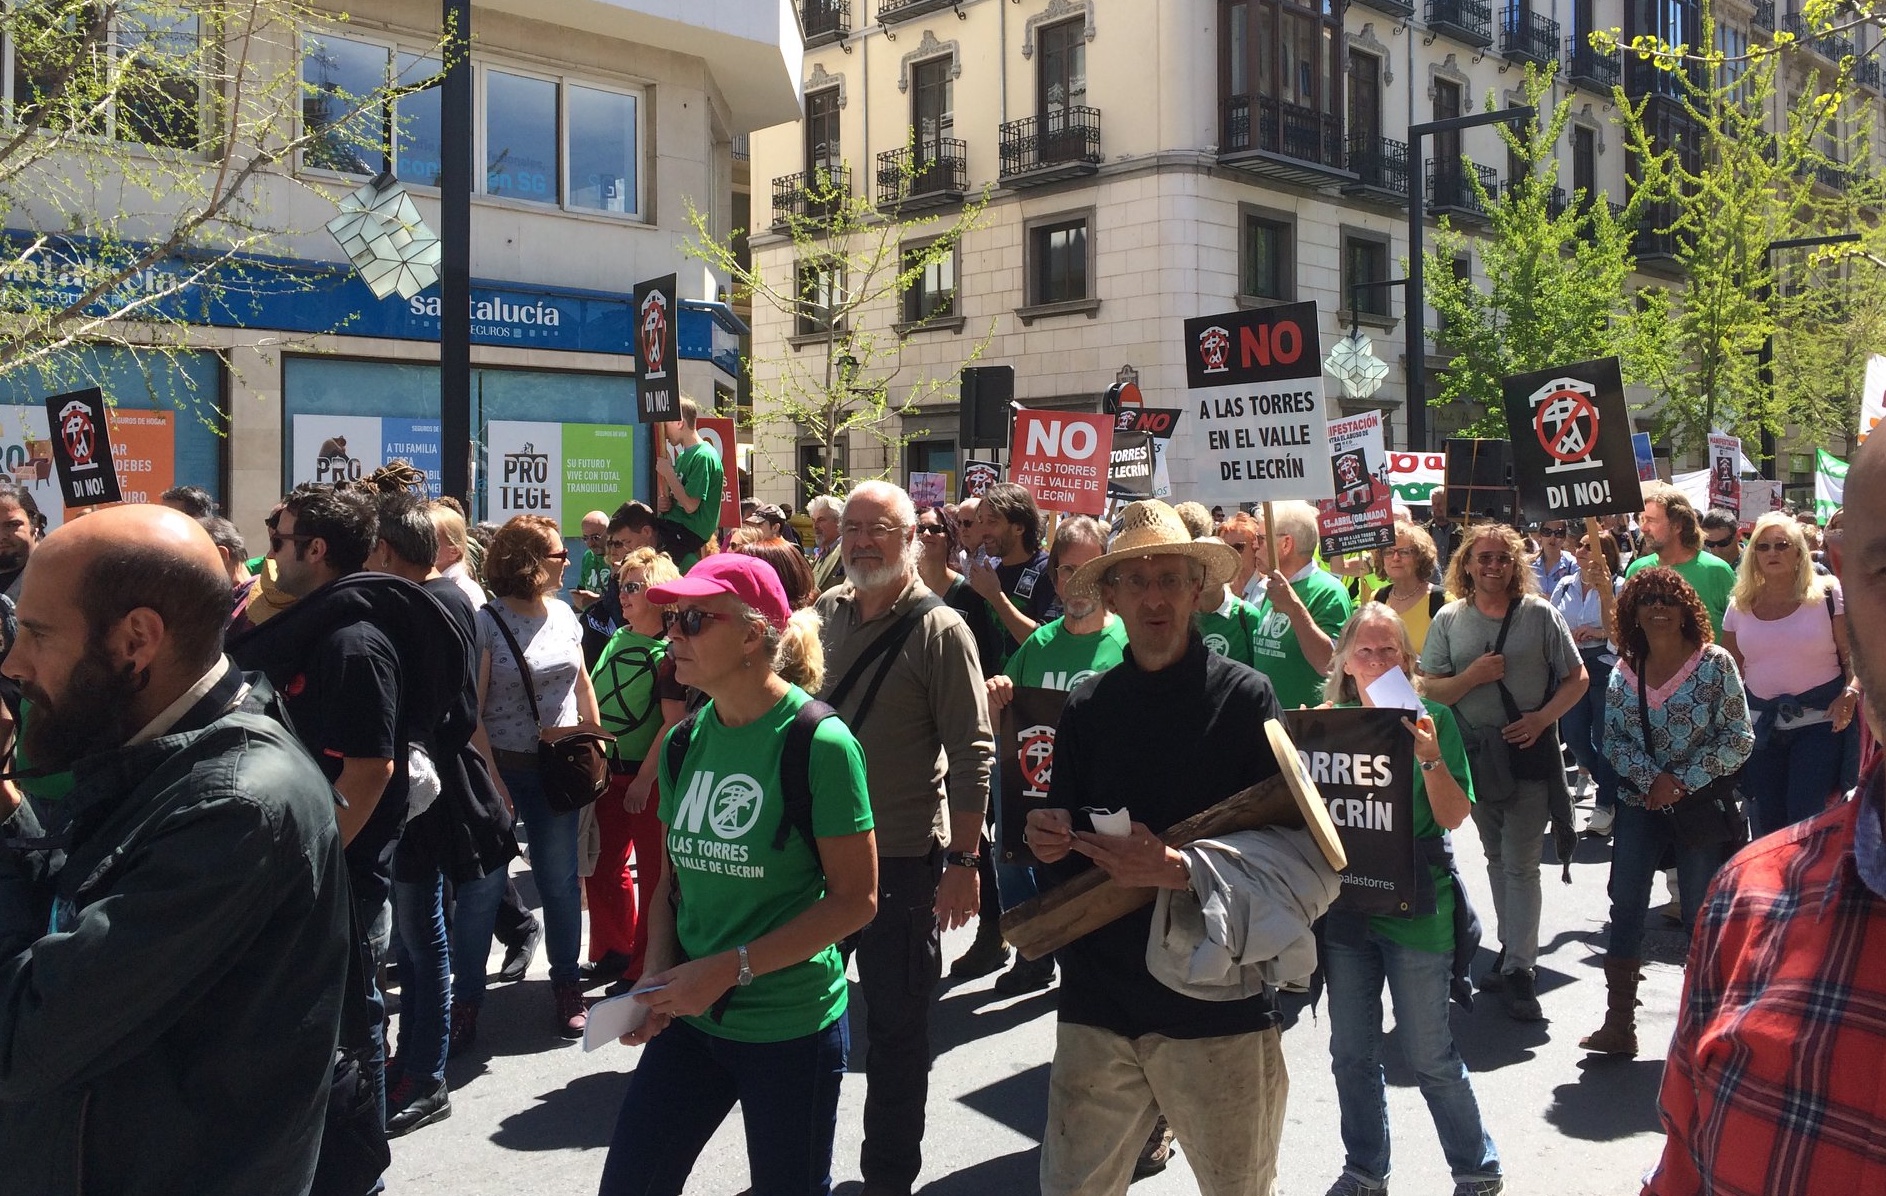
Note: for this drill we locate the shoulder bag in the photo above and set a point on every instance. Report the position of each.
(1708, 816)
(572, 762)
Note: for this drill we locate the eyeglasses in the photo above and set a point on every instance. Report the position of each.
(1719, 543)
(1667, 600)
(1557, 533)
(875, 531)
(563, 555)
(277, 539)
(933, 529)
(1398, 551)
(1168, 584)
(689, 622)
(1773, 546)
(1237, 545)
(1493, 558)
(617, 546)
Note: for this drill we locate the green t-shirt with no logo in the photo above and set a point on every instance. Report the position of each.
(1274, 648)
(1710, 576)
(698, 467)
(1229, 630)
(624, 677)
(1055, 658)
(720, 813)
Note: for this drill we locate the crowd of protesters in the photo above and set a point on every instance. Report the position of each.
(253, 797)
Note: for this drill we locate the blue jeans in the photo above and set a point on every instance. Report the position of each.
(1789, 778)
(474, 913)
(1417, 983)
(552, 839)
(1638, 842)
(688, 1081)
(425, 978)
(1582, 728)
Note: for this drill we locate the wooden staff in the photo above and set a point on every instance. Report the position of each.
(1607, 593)
(1270, 539)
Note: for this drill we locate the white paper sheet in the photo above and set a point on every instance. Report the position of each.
(1118, 823)
(1392, 690)
(611, 1018)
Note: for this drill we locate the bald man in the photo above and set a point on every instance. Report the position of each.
(174, 931)
(1786, 984)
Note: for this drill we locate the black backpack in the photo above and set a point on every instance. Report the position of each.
(795, 768)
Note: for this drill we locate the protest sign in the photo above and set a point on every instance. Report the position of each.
(1725, 480)
(1361, 516)
(1693, 485)
(1759, 496)
(1571, 437)
(1645, 456)
(1873, 396)
(1415, 475)
(1259, 430)
(718, 430)
(978, 476)
(1131, 473)
(143, 454)
(1159, 423)
(1061, 457)
(81, 448)
(929, 488)
(1028, 726)
(657, 350)
(1362, 761)
(1830, 484)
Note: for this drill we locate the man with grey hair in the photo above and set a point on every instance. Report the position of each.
(901, 668)
(1303, 609)
(828, 568)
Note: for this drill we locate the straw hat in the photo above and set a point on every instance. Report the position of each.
(1151, 528)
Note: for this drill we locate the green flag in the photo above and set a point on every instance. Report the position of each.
(1830, 483)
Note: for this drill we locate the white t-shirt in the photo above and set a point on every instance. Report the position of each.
(553, 648)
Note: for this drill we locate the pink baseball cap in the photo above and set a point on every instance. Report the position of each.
(747, 578)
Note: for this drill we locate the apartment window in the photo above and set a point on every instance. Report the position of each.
(821, 130)
(931, 115)
(931, 294)
(354, 130)
(1585, 161)
(1266, 246)
(602, 149)
(820, 288)
(418, 143)
(521, 156)
(157, 53)
(1059, 270)
(1061, 73)
(1285, 57)
(1365, 260)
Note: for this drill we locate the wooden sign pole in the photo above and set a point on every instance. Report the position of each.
(1607, 593)
(1270, 539)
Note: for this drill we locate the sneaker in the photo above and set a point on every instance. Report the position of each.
(464, 1029)
(985, 955)
(572, 1014)
(1027, 976)
(1522, 998)
(1480, 1187)
(1157, 1152)
(517, 959)
(409, 1106)
(1494, 980)
(1603, 818)
(1349, 1185)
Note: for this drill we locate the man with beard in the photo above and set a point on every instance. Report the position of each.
(21, 526)
(1784, 988)
(1673, 537)
(171, 971)
(900, 667)
(1011, 571)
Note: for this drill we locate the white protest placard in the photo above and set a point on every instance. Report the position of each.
(1393, 690)
(1759, 496)
(1362, 515)
(1259, 427)
(1873, 395)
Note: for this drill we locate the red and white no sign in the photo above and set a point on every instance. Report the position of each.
(1062, 457)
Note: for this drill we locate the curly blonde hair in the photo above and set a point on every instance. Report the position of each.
(1460, 568)
(1808, 586)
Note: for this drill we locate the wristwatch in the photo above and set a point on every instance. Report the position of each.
(746, 969)
(1429, 765)
(963, 859)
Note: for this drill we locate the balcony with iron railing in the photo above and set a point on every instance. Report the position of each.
(1866, 72)
(1586, 67)
(1399, 9)
(824, 21)
(1831, 46)
(904, 10)
(1469, 21)
(926, 175)
(1380, 165)
(1555, 201)
(1268, 136)
(1057, 145)
(1451, 191)
(1655, 241)
(816, 194)
(1525, 36)
(1764, 17)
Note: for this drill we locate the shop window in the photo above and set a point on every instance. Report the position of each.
(931, 294)
(520, 137)
(142, 60)
(1060, 266)
(602, 150)
(1265, 248)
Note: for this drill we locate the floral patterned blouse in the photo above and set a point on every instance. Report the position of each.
(1699, 725)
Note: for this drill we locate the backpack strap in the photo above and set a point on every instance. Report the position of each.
(795, 773)
(677, 747)
(1436, 600)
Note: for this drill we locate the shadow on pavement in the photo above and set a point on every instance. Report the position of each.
(576, 1116)
(1018, 1101)
(1018, 1172)
(961, 1017)
(515, 1019)
(1611, 1099)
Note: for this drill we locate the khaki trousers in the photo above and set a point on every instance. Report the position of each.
(1223, 1097)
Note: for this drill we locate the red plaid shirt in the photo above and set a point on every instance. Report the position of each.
(1776, 1082)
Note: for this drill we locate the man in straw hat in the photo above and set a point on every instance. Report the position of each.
(1170, 731)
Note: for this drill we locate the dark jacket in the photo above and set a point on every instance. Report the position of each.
(175, 1030)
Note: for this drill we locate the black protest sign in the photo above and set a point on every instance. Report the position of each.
(1028, 726)
(1130, 474)
(657, 350)
(978, 476)
(1157, 422)
(1571, 436)
(81, 448)
(1259, 428)
(1362, 761)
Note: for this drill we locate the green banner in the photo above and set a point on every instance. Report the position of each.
(1830, 484)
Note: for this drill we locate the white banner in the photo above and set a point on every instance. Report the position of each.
(1873, 395)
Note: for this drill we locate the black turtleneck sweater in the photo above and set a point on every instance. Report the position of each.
(1164, 746)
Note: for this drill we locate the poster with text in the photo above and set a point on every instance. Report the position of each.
(1159, 423)
(1415, 475)
(1362, 761)
(1131, 467)
(657, 350)
(1028, 726)
(345, 448)
(143, 448)
(1362, 515)
(978, 476)
(718, 430)
(556, 470)
(1645, 455)
(1259, 426)
(1571, 438)
(1759, 497)
(81, 448)
(1725, 479)
(1061, 457)
(1872, 395)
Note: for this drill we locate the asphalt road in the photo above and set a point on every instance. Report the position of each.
(533, 1114)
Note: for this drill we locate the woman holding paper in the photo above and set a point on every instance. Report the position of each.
(744, 986)
(1421, 958)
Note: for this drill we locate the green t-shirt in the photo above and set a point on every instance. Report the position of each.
(1274, 646)
(1229, 630)
(1710, 576)
(698, 467)
(720, 814)
(625, 691)
(1055, 658)
(594, 574)
(1435, 931)
(51, 787)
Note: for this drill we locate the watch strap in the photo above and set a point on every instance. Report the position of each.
(963, 859)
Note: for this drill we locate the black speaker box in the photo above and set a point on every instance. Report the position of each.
(987, 391)
(1479, 481)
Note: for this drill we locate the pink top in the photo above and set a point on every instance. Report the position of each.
(1786, 656)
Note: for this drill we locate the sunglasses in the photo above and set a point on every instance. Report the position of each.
(1775, 546)
(563, 556)
(933, 529)
(690, 622)
(1493, 558)
(1719, 543)
(633, 587)
(1237, 545)
(1667, 600)
(1557, 533)
(277, 539)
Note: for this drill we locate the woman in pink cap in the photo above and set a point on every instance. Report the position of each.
(770, 860)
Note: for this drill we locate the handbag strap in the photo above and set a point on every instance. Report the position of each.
(1499, 648)
(1643, 714)
(517, 655)
(883, 649)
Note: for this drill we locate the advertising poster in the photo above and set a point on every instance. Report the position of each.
(143, 448)
(1130, 474)
(1061, 457)
(1571, 438)
(1725, 480)
(1259, 430)
(1362, 761)
(1362, 515)
(81, 448)
(556, 470)
(929, 488)
(657, 350)
(718, 430)
(1027, 748)
(1646, 456)
(344, 448)
(1415, 475)
(1873, 395)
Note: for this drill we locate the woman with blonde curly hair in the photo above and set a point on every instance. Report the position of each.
(1786, 626)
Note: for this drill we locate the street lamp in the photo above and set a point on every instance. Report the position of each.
(1770, 450)
(455, 186)
(1417, 295)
